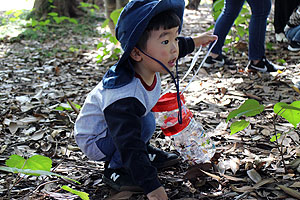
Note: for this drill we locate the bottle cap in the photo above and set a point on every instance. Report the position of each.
(176, 128)
(167, 102)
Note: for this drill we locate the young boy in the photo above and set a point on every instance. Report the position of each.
(116, 123)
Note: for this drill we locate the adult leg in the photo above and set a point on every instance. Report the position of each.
(257, 32)
(257, 28)
(225, 21)
(283, 10)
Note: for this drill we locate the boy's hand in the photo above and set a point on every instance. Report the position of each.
(204, 39)
(158, 194)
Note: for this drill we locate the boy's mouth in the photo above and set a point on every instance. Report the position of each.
(172, 62)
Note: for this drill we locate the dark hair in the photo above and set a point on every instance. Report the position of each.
(166, 20)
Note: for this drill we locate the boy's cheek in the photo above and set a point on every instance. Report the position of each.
(164, 53)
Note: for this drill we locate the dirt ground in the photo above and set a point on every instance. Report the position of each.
(37, 77)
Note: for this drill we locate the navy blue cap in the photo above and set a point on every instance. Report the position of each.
(131, 24)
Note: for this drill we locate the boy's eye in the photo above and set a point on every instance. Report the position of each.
(165, 42)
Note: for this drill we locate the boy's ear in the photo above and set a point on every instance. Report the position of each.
(135, 54)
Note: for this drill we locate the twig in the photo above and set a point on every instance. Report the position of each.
(72, 106)
(241, 196)
(16, 181)
(277, 144)
(253, 96)
(38, 187)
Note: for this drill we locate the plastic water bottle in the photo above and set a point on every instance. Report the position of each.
(189, 138)
(167, 105)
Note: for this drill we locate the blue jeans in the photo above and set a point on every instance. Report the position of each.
(293, 34)
(260, 10)
(107, 146)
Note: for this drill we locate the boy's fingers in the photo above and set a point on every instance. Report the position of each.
(215, 37)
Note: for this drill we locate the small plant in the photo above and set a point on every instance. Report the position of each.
(90, 7)
(35, 166)
(251, 108)
(52, 17)
(108, 48)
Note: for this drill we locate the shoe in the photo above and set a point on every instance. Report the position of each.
(219, 61)
(264, 65)
(161, 159)
(280, 37)
(294, 46)
(120, 180)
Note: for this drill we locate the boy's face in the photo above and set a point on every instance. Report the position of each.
(163, 46)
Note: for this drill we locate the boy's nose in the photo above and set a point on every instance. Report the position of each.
(174, 47)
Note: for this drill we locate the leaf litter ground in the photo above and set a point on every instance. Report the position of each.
(37, 77)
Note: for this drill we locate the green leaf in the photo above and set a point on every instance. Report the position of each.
(269, 46)
(238, 126)
(57, 19)
(228, 40)
(60, 108)
(210, 27)
(240, 20)
(82, 195)
(282, 61)
(113, 39)
(9, 12)
(18, 13)
(115, 15)
(38, 162)
(39, 172)
(53, 14)
(65, 106)
(76, 105)
(244, 9)
(72, 20)
(105, 23)
(96, 7)
(241, 31)
(289, 112)
(293, 106)
(274, 137)
(84, 5)
(15, 161)
(34, 23)
(217, 8)
(249, 108)
(100, 44)
(44, 23)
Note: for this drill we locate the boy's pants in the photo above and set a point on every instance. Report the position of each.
(293, 34)
(260, 10)
(107, 146)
